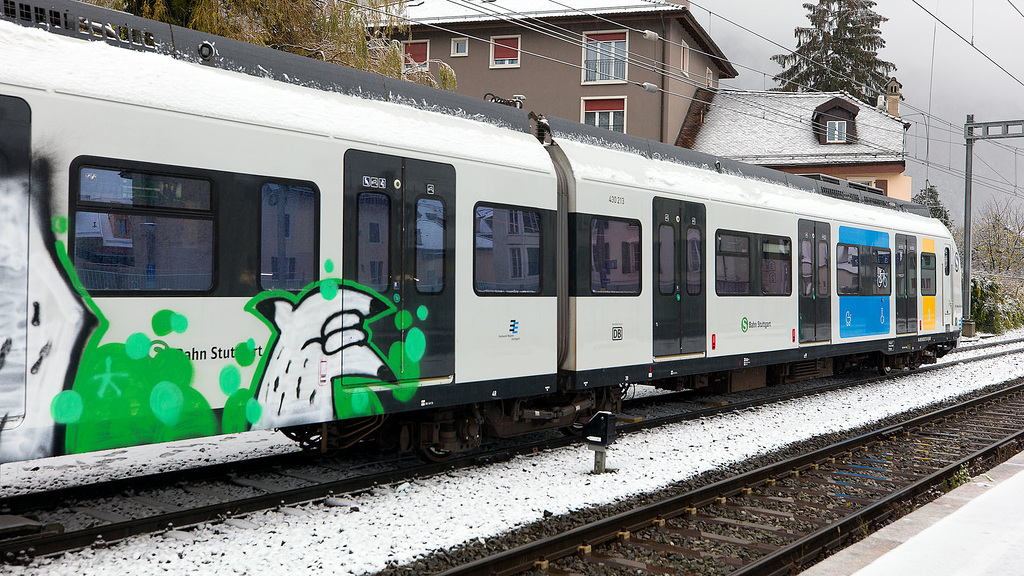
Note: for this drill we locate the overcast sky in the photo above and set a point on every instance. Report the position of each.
(964, 81)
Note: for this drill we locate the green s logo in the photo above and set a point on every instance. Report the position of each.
(744, 324)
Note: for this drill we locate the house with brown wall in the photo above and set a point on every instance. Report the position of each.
(586, 63)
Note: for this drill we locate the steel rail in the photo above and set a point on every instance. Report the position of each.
(528, 556)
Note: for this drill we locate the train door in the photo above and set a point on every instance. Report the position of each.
(947, 287)
(679, 295)
(815, 303)
(906, 284)
(15, 161)
(399, 239)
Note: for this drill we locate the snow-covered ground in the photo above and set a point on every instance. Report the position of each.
(399, 523)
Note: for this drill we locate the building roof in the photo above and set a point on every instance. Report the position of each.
(444, 12)
(775, 129)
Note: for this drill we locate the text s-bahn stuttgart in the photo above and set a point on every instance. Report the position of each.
(203, 237)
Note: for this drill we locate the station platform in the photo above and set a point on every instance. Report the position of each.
(976, 529)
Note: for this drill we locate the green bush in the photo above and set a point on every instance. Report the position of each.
(992, 309)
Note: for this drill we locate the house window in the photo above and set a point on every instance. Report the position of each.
(684, 56)
(416, 53)
(504, 51)
(835, 131)
(709, 77)
(460, 47)
(607, 113)
(604, 57)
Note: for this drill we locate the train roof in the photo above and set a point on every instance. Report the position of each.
(73, 19)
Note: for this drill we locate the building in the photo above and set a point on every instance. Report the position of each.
(828, 133)
(586, 63)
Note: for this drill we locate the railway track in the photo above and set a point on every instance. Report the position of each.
(774, 520)
(82, 516)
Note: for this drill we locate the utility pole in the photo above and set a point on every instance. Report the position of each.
(978, 131)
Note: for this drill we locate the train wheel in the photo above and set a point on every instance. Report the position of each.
(308, 436)
(434, 454)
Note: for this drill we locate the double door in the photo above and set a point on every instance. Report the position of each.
(906, 284)
(679, 278)
(815, 305)
(399, 242)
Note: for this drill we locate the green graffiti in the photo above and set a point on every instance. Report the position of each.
(137, 346)
(245, 353)
(403, 320)
(415, 345)
(126, 394)
(167, 321)
(230, 379)
(66, 407)
(422, 312)
(329, 266)
(166, 402)
(59, 224)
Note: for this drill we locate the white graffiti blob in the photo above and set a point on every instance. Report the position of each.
(37, 364)
(320, 339)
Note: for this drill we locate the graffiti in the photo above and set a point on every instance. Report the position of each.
(44, 352)
(302, 369)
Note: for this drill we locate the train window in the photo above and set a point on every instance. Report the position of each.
(373, 251)
(507, 250)
(694, 242)
(287, 236)
(882, 285)
(666, 259)
(615, 256)
(927, 274)
(806, 268)
(823, 268)
(847, 269)
(143, 231)
(945, 261)
(776, 266)
(430, 236)
(732, 265)
(901, 270)
(142, 190)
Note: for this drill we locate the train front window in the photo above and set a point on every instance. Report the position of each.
(140, 231)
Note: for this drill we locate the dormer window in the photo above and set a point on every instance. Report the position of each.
(835, 131)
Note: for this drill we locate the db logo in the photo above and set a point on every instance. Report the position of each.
(616, 332)
(744, 324)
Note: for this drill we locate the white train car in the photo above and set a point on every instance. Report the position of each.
(202, 237)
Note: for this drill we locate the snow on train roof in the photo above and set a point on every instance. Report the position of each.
(38, 59)
(607, 165)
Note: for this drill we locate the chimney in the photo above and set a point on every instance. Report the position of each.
(891, 97)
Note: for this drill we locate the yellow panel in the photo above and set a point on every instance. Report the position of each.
(927, 245)
(928, 314)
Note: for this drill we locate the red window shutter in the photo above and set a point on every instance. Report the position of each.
(416, 52)
(608, 37)
(505, 48)
(609, 105)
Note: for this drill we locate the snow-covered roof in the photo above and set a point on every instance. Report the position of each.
(774, 129)
(443, 11)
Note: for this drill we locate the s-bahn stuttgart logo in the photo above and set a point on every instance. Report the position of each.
(746, 324)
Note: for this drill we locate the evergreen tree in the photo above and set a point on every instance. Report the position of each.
(354, 35)
(839, 51)
(929, 196)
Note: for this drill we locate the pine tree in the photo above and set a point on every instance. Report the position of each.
(839, 51)
(354, 35)
(929, 196)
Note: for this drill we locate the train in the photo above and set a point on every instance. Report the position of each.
(204, 237)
